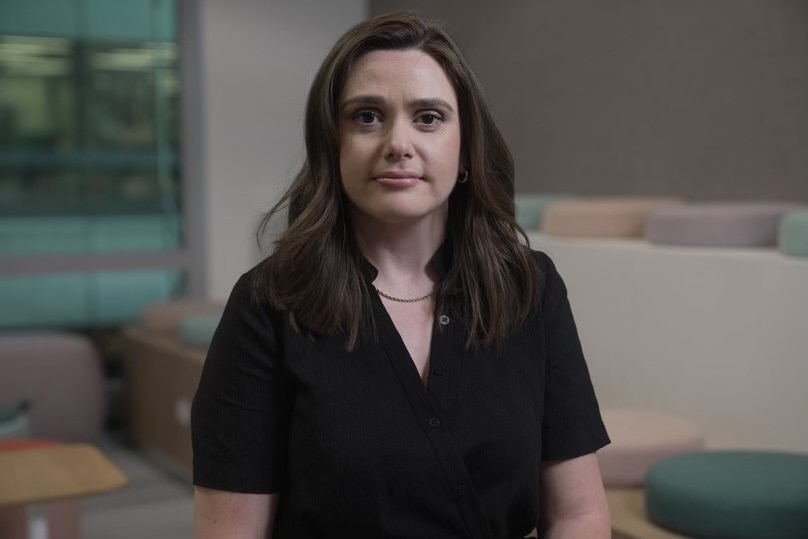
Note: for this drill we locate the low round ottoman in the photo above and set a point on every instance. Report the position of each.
(640, 439)
(727, 224)
(166, 316)
(198, 330)
(792, 238)
(531, 207)
(731, 495)
(601, 218)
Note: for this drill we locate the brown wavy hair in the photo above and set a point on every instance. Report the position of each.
(314, 272)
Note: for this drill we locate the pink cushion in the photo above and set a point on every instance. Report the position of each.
(640, 439)
(601, 218)
(167, 316)
(60, 375)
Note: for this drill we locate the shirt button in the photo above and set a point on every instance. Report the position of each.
(434, 422)
(462, 489)
(444, 320)
(439, 371)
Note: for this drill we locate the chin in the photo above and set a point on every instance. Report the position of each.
(400, 215)
(400, 212)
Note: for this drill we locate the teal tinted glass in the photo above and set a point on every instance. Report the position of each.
(86, 299)
(89, 156)
(89, 126)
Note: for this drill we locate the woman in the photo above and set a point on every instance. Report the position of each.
(401, 366)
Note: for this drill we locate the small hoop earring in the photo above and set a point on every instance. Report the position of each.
(464, 178)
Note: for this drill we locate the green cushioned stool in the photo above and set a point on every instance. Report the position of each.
(731, 495)
(793, 236)
(198, 330)
(530, 208)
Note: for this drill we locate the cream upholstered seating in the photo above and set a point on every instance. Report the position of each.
(640, 439)
(601, 217)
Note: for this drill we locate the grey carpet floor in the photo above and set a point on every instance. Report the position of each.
(155, 504)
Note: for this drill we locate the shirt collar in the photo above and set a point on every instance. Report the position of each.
(441, 262)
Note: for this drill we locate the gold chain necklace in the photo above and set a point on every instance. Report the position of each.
(404, 300)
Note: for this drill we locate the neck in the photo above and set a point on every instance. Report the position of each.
(400, 252)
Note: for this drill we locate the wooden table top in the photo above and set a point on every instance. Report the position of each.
(55, 472)
(629, 521)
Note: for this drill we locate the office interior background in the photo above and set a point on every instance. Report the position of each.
(141, 141)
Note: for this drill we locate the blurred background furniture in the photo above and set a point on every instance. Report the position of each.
(718, 224)
(163, 357)
(715, 335)
(601, 217)
(731, 495)
(793, 233)
(630, 519)
(35, 472)
(640, 439)
(530, 208)
(60, 375)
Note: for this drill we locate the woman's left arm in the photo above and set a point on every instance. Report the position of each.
(573, 502)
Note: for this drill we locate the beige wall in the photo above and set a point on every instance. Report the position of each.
(253, 63)
(698, 98)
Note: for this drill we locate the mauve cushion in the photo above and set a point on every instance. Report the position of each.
(723, 224)
(60, 375)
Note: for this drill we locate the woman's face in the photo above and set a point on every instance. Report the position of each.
(399, 137)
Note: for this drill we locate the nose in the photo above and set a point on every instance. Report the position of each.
(398, 145)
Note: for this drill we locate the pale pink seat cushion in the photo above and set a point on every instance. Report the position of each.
(640, 439)
(166, 316)
(60, 375)
(719, 224)
(602, 217)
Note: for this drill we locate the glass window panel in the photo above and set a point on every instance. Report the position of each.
(40, 17)
(89, 127)
(37, 96)
(71, 235)
(89, 155)
(82, 300)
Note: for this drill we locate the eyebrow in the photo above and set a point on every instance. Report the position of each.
(423, 103)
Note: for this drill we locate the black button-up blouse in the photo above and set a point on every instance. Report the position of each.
(358, 446)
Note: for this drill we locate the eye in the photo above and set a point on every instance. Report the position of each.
(431, 118)
(366, 117)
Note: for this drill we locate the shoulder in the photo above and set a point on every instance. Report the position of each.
(542, 260)
(548, 274)
(250, 288)
(552, 291)
(249, 301)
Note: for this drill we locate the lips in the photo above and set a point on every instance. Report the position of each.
(398, 179)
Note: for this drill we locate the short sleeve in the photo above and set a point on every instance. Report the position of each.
(241, 410)
(571, 425)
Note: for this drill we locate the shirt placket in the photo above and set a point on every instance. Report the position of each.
(429, 406)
